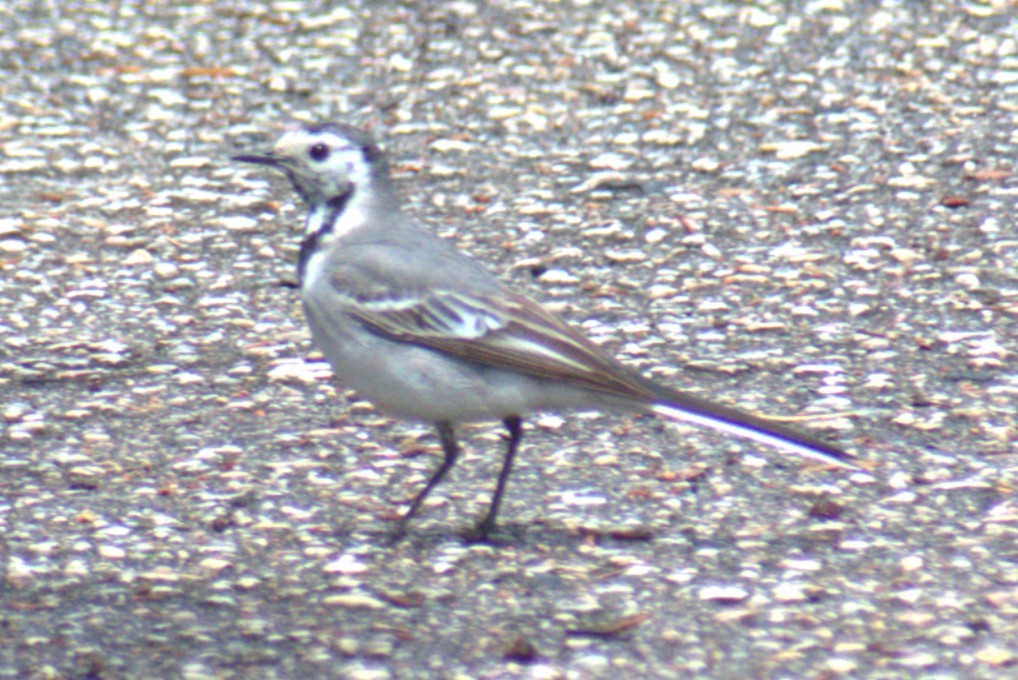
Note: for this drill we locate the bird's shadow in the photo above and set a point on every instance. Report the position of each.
(507, 535)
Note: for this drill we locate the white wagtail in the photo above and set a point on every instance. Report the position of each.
(425, 333)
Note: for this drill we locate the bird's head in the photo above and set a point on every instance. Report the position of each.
(325, 161)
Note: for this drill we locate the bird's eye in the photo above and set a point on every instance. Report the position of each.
(319, 152)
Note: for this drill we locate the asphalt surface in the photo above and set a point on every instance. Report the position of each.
(806, 209)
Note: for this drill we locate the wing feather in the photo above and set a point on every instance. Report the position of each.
(507, 331)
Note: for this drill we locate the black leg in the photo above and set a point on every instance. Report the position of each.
(515, 427)
(451, 452)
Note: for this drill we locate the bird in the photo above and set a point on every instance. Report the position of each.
(426, 333)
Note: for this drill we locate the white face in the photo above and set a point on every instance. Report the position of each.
(323, 163)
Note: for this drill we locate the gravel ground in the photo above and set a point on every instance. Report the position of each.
(803, 208)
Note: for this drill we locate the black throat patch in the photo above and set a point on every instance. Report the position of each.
(334, 207)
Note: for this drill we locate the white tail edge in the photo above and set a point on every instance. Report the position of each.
(774, 439)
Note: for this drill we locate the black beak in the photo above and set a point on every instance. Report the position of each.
(259, 159)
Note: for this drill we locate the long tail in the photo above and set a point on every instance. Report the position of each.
(688, 408)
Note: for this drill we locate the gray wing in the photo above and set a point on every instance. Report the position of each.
(447, 302)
